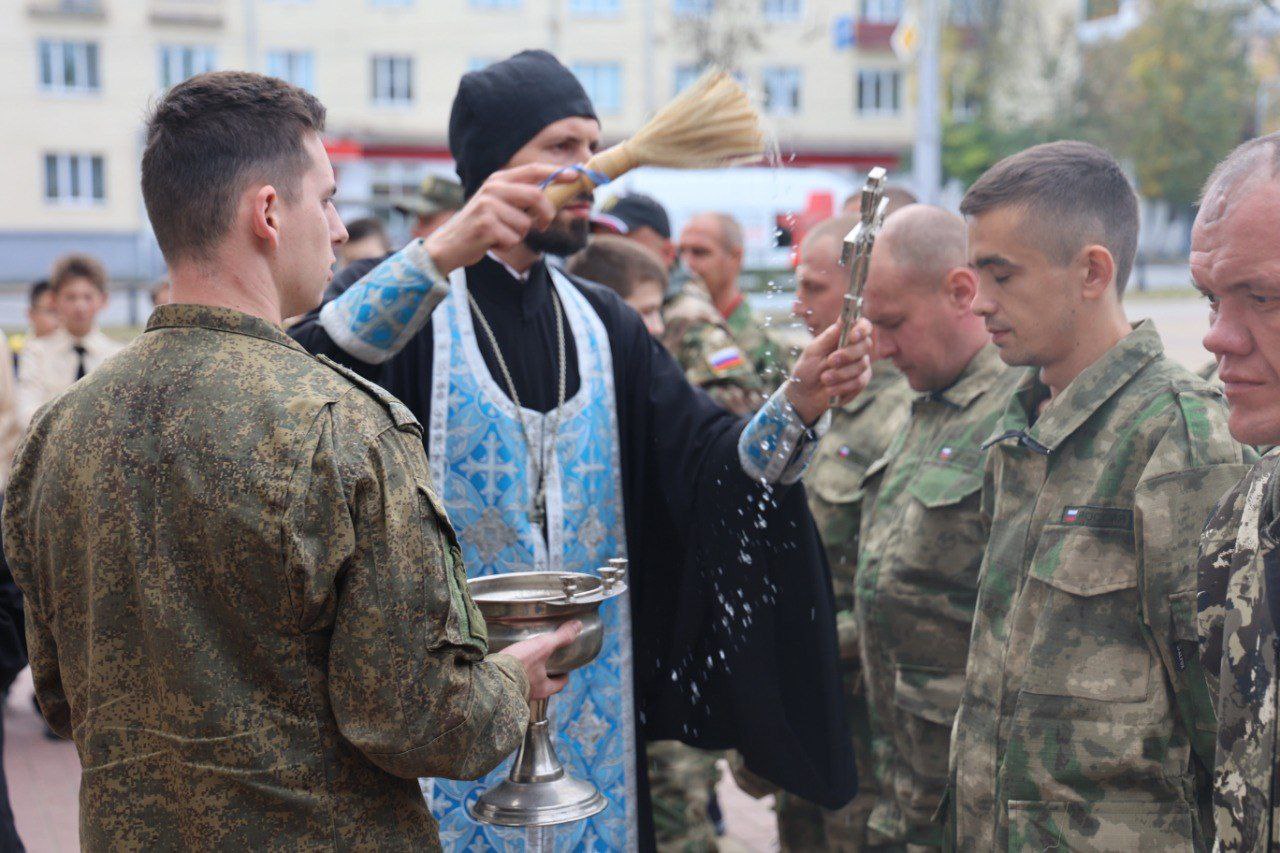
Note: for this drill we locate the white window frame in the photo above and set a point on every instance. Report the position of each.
(880, 11)
(391, 80)
(297, 67)
(782, 11)
(592, 75)
(791, 77)
(872, 82)
(84, 58)
(74, 183)
(178, 62)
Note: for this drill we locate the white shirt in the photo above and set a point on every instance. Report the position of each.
(47, 367)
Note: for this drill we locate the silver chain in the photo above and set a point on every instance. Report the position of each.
(537, 512)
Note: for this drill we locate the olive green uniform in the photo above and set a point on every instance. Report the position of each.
(245, 603)
(1081, 704)
(772, 360)
(921, 545)
(700, 340)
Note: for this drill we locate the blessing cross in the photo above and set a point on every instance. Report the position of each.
(856, 254)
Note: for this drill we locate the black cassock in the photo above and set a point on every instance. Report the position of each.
(703, 541)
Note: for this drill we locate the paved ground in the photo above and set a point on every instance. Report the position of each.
(44, 775)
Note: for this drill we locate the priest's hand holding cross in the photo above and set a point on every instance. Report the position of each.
(824, 372)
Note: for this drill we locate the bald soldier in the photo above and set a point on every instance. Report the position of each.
(1235, 263)
(1084, 723)
(859, 433)
(922, 536)
(245, 603)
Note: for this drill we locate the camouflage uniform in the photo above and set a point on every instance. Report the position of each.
(1239, 588)
(1081, 704)
(859, 433)
(699, 339)
(772, 360)
(245, 602)
(681, 780)
(922, 542)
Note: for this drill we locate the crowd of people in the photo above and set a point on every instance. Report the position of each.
(943, 586)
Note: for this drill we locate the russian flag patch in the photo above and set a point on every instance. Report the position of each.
(724, 360)
(946, 453)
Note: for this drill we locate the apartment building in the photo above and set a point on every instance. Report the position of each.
(77, 76)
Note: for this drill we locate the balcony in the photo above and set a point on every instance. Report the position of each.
(188, 13)
(92, 10)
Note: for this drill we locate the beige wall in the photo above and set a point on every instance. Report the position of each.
(444, 36)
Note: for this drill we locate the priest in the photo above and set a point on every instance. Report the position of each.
(561, 435)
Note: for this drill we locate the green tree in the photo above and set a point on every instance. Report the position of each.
(1173, 97)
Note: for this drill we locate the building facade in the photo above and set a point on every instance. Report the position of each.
(78, 76)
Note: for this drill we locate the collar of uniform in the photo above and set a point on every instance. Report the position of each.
(972, 382)
(883, 374)
(1095, 385)
(179, 316)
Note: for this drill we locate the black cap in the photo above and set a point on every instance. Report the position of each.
(501, 107)
(624, 214)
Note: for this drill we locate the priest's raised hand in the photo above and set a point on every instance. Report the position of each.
(824, 373)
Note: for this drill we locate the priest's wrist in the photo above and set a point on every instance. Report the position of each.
(808, 408)
(445, 258)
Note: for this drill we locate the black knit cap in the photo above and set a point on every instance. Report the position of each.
(501, 107)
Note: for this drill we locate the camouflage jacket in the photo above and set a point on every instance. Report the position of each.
(1239, 583)
(245, 603)
(859, 434)
(922, 543)
(772, 359)
(700, 340)
(1082, 702)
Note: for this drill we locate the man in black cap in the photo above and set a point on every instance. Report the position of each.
(640, 218)
(560, 434)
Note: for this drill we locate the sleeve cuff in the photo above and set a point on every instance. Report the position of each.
(776, 446)
(513, 670)
(381, 312)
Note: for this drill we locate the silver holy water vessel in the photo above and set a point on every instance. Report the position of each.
(517, 606)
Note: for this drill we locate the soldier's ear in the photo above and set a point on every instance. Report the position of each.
(264, 214)
(960, 287)
(1098, 270)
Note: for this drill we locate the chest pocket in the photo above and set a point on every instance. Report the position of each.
(936, 486)
(838, 474)
(471, 625)
(1087, 641)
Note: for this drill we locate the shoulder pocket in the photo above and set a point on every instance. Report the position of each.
(1190, 687)
(943, 485)
(932, 694)
(471, 624)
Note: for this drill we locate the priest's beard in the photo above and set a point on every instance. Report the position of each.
(560, 238)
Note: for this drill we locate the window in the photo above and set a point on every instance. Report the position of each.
(684, 77)
(881, 11)
(603, 82)
(879, 92)
(293, 66)
(780, 10)
(782, 91)
(691, 8)
(180, 61)
(595, 8)
(69, 66)
(74, 179)
(393, 79)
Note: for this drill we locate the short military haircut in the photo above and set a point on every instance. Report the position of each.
(38, 289)
(730, 229)
(1257, 158)
(368, 226)
(1073, 194)
(74, 266)
(618, 263)
(207, 139)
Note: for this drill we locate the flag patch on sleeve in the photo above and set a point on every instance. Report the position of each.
(724, 360)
